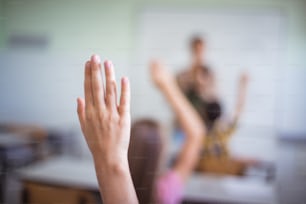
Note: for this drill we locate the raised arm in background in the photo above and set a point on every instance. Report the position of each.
(106, 127)
(188, 118)
(241, 97)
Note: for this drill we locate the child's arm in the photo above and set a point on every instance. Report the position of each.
(242, 89)
(106, 127)
(188, 118)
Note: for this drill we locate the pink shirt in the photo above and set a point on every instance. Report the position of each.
(169, 188)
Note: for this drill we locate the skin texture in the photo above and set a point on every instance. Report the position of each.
(189, 119)
(106, 127)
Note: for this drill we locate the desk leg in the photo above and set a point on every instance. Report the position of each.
(25, 194)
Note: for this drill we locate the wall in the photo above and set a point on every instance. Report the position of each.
(78, 28)
(2, 16)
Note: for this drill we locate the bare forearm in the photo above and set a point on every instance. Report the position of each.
(189, 119)
(114, 180)
(193, 127)
(242, 89)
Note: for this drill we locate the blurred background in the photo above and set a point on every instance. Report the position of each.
(43, 47)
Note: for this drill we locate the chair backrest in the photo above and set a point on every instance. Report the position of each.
(144, 154)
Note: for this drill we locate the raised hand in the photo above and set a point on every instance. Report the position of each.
(244, 79)
(190, 121)
(105, 124)
(106, 127)
(160, 74)
(241, 97)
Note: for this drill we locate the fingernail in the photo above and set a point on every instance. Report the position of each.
(125, 80)
(108, 64)
(96, 59)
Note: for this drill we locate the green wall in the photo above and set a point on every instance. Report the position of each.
(110, 28)
(87, 26)
(2, 24)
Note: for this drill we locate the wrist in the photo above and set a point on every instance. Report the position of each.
(112, 165)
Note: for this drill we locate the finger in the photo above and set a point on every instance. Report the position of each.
(96, 82)
(111, 89)
(125, 97)
(87, 86)
(81, 112)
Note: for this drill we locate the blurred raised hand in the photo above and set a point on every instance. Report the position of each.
(244, 79)
(190, 121)
(241, 97)
(160, 74)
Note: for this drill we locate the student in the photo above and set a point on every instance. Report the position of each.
(199, 85)
(215, 155)
(169, 187)
(106, 127)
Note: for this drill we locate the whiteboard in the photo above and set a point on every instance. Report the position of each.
(237, 40)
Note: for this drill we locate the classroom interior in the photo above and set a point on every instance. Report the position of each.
(43, 47)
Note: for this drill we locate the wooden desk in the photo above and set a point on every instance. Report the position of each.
(62, 171)
(75, 173)
(60, 180)
(228, 189)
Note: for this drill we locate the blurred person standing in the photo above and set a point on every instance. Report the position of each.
(198, 82)
(199, 85)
